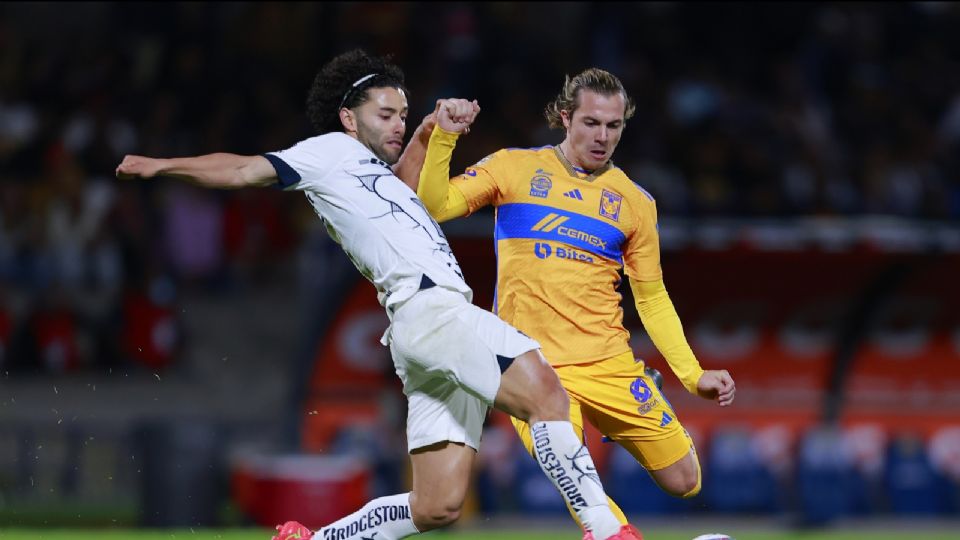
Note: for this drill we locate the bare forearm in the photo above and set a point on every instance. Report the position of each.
(408, 167)
(221, 170)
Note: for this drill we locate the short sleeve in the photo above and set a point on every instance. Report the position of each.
(479, 183)
(306, 163)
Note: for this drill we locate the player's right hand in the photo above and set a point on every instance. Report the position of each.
(455, 115)
(717, 384)
(138, 167)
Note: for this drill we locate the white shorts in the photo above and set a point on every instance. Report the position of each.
(445, 351)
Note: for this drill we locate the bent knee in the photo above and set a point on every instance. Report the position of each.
(691, 489)
(552, 403)
(686, 485)
(681, 480)
(531, 390)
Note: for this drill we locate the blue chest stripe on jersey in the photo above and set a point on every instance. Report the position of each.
(534, 221)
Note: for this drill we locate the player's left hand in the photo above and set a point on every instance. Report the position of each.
(717, 384)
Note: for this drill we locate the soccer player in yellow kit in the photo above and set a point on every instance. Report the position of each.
(567, 222)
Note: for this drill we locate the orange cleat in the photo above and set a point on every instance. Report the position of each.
(292, 530)
(627, 532)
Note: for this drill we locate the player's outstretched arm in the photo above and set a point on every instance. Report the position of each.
(442, 200)
(221, 170)
(662, 323)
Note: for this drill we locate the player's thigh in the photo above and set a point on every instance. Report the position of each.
(441, 477)
(681, 477)
(440, 334)
(523, 428)
(530, 390)
(666, 457)
(440, 411)
(626, 406)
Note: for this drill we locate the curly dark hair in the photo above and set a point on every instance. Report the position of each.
(343, 82)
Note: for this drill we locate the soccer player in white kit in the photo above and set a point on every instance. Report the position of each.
(455, 359)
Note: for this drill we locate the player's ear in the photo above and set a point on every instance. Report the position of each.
(349, 120)
(565, 118)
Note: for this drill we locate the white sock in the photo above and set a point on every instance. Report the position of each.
(567, 463)
(386, 518)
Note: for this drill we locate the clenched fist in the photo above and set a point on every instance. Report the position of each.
(138, 167)
(455, 115)
(717, 384)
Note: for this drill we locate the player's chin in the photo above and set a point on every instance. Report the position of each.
(391, 153)
(593, 163)
(386, 154)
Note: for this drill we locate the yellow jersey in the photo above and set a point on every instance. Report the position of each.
(562, 237)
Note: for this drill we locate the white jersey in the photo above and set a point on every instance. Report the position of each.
(379, 221)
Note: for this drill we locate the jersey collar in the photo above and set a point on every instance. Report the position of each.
(573, 171)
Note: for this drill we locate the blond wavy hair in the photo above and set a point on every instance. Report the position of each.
(594, 79)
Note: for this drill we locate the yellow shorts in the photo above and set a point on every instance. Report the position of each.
(624, 404)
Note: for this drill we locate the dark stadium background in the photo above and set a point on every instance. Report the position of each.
(177, 357)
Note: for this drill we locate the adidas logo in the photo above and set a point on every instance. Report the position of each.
(665, 419)
(575, 194)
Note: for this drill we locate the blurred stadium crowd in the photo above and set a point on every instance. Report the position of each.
(744, 111)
